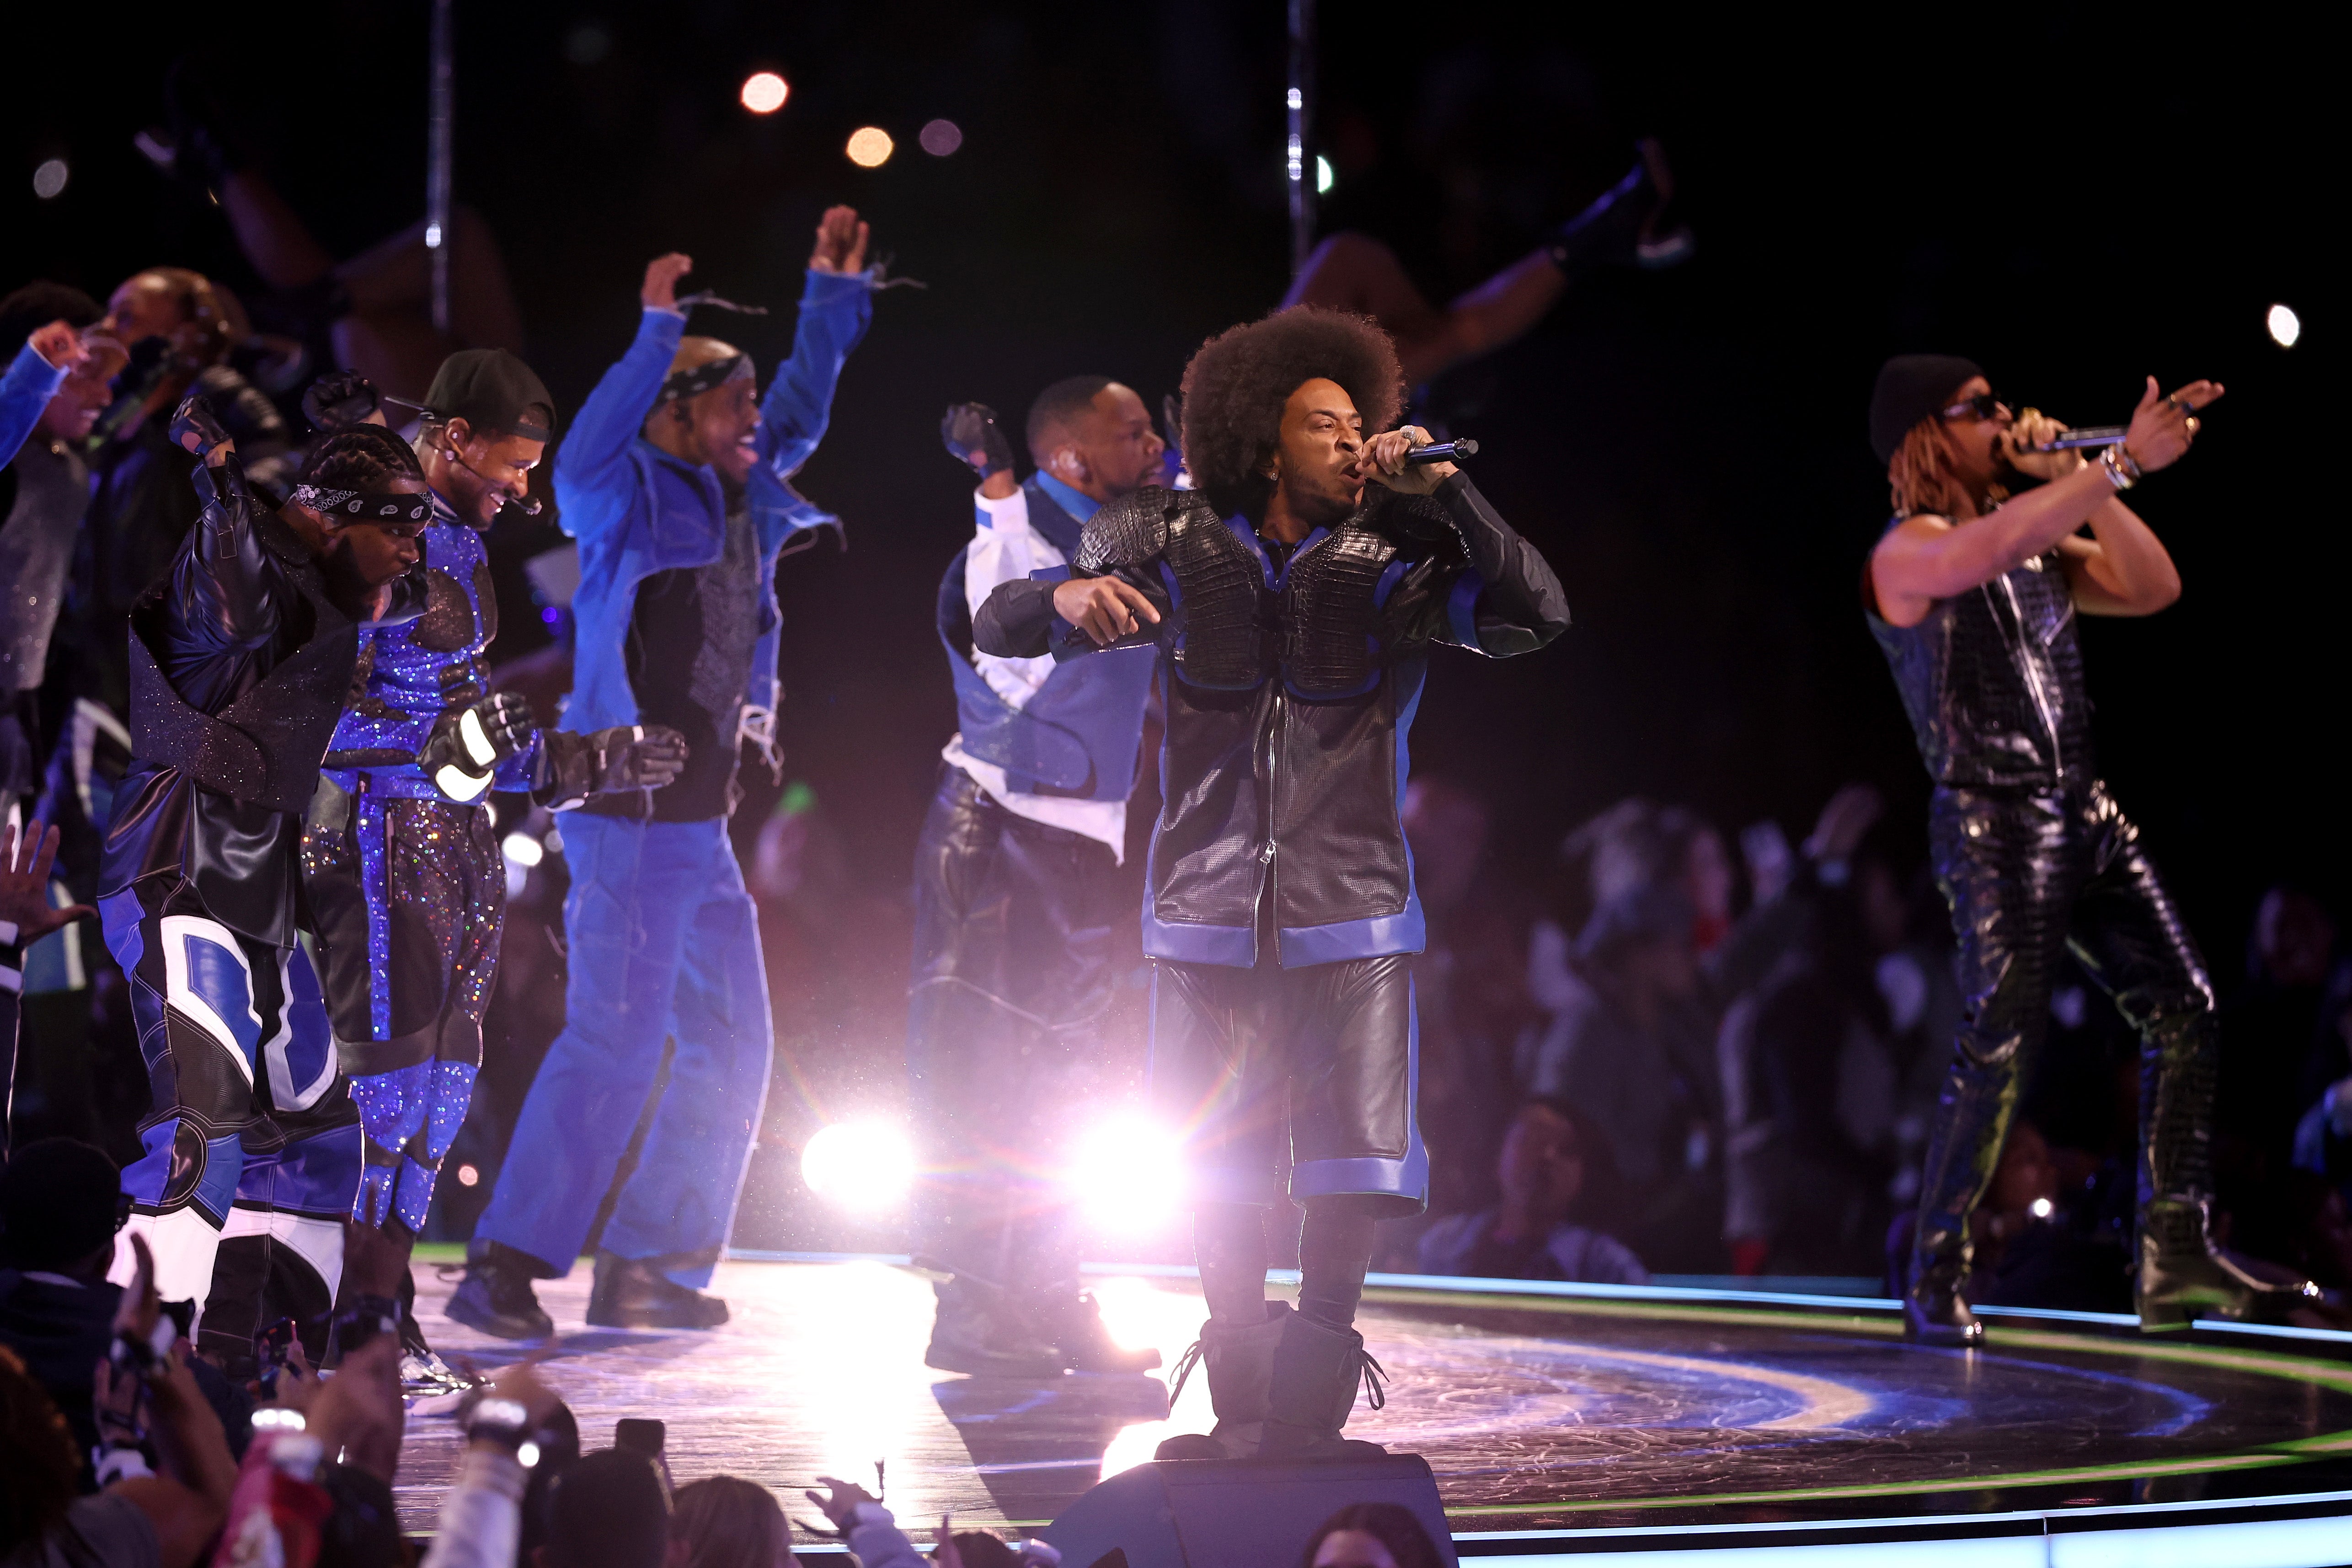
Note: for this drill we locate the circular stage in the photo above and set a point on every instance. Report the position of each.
(1557, 1419)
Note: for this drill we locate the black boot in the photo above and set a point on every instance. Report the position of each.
(977, 1330)
(1074, 1324)
(1316, 1371)
(2183, 1275)
(1239, 1362)
(496, 1296)
(634, 1293)
(1962, 1158)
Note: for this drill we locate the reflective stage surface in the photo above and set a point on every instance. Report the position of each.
(1575, 1409)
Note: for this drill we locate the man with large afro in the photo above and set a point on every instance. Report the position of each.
(1293, 598)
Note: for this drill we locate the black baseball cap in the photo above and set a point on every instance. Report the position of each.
(490, 389)
(1911, 387)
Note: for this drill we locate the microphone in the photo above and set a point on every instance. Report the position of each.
(1442, 452)
(2095, 435)
(524, 504)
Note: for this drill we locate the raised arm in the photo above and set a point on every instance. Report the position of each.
(596, 449)
(225, 587)
(837, 305)
(33, 378)
(1510, 601)
(2121, 569)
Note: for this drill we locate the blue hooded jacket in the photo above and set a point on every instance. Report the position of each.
(637, 510)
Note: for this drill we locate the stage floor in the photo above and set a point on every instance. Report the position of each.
(1605, 1414)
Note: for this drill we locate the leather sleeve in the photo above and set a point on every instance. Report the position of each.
(1520, 604)
(1016, 620)
(227, 585)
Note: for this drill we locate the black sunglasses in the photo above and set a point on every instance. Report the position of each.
(1984, 406)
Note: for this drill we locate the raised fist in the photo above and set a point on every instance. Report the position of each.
(972, 436)
(468, 744)
(194, 428)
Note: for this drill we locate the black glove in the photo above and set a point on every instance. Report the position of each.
(974, 437)
(339, 398)
(196, 428)
(468, 744)
(624, 757)
(637, 756)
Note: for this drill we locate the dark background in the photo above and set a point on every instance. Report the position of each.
(2074, 197)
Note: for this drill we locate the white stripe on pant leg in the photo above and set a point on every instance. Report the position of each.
(183, 1243)
(317, 1242)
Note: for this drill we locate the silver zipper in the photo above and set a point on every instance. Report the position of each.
(2031, 677)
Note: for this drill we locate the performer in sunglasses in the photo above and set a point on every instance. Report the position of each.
(1972, 594)
(1292, 599)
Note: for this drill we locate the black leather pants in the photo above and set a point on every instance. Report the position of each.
(2028, 875)
(1011, 985)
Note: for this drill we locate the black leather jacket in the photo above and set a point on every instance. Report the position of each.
(239, 665)
(1288, 695)
(1992, 679)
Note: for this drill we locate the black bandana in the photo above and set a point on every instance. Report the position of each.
(364, 506)
(686, 383)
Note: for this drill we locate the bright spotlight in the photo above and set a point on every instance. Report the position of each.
(1127, 1172)
(940, 137)
(860, 1165)
(2284, 324)
(1322, 175)
(2042, 1208)
(870, 146)
(764, 92)
(467, 1176)
(523, 850)
(49, 179)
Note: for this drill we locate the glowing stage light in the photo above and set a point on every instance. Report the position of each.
(49, 179)
(523, 850)
(859, 1165)
(467, 1176)
(870, 146)
(1128, 1174)
(764, 92)
(2284, 324)
(1322, 175)
(528, 1455)
(2042, 1208)
(940, 137)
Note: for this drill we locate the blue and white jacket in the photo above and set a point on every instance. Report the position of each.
(637, 510)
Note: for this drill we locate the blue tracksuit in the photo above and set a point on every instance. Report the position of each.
(663, 936)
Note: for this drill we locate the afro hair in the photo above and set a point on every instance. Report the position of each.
(1238, 381)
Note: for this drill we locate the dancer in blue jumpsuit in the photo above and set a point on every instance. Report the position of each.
(240, 659)
(1015, 892)
(673, 479)
(402, 864)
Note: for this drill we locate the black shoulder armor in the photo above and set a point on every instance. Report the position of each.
(1131, 530)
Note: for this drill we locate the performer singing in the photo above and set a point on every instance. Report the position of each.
(400, 858)
(1972, 595)
(240, 659)
(1013, 900)
(1293, 608)
(673, 481)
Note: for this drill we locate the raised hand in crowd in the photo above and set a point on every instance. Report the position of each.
(840, 242)
(25, 862)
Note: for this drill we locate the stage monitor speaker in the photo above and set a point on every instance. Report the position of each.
(1235, 1513)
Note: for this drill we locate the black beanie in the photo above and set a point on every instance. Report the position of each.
(57, 1202)
(1911, 387)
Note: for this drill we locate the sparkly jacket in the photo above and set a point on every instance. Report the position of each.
(1289, 693)
(409, 675)
(637, 511)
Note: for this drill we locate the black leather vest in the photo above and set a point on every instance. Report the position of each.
(263, 748)
(1992, 679)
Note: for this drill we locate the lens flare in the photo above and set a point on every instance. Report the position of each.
(2285, 326)
(863, 1166)
(870, 146)
(1127, 1174)
(764, 92)
(49, 179)
(940, 137)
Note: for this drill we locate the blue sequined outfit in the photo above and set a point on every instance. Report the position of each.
(406, 886)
